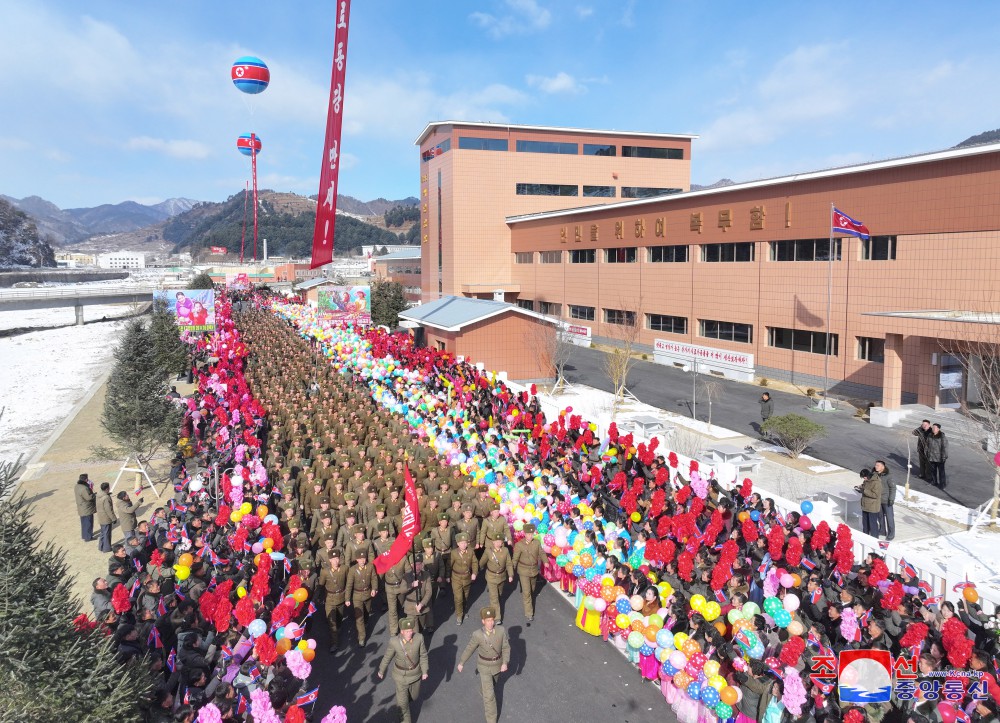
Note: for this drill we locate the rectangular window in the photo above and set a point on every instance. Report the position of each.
(562, 149)
(813, 342)
(668, 254)
(727, 252)
(644, 192)
(621, 255)
(523, 257)
(599, 149)
(871, 349)
(550, 257)
(549, 308)
(526, 304)
(469, 143)
(726, 331)
(619, 317)
(583, 256)
(669, 324)
(583, 313)
(673, 154)
(438, 150)
(817, 249)
(599, 191)
(547, 189)
(879, 248)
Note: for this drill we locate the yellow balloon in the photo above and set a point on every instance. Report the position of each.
(235, 515)
(303, 645)
(712, 611)
(716, 681)
(241, 592)
(246, 508)
(182, 572)
(680, 639)
(697, 602)
(712, 669)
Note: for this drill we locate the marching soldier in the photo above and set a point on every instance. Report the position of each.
(408, 655)
(498, 565)
(358, 543)
(464, 569)
(442, 538)
(333, 580)
(395, 589)
(493, 648)
(527, 553)
(494, 527)
(362, 586)
(419, 592)
(469, 525)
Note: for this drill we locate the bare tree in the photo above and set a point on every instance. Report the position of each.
(978, 356)
(624, 327)
(712, 390)
(552, 351)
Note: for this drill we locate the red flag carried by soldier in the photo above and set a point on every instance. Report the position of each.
(411, 523)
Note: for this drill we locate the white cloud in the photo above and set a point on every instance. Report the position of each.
(14, 144)
(54, 154)
(561, 82)
(628, 15)
(183, 149)
(520, 16)
(583, 11)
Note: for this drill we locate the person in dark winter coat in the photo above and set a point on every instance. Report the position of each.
(105, 517)
(86, 506)
(937, 455)
(766, 407)
(126, 510)
(871, 502)
(922, 433)
(888, 518)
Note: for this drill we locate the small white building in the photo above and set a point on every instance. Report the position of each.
(122, 260)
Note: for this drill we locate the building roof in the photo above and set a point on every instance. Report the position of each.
(413, 253)
(453, 313)
(901, 162)
(313, 283)
(428, 129)
(954, 315)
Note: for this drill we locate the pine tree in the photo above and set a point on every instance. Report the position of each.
(387, 302)
(201, 281)
(48, 670)
(137, 414)
(169, 350)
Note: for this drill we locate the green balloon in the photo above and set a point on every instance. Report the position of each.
(750, 609)
(723, 710)
(734, 615)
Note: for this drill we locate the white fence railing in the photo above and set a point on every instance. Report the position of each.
(62, 293)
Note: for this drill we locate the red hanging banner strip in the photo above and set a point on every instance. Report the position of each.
(326, 206)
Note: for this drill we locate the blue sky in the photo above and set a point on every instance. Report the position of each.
(107, 101)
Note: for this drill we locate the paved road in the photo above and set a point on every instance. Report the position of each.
(850, 443)
(557, 672)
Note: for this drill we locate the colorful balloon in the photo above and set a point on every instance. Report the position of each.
(249, 145)
(250, 75)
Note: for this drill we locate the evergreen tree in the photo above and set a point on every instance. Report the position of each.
(201, 281)
(48, 670)
(387, 302)
(137, 414)
(168, 349)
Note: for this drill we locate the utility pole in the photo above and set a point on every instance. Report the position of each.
(694, 389)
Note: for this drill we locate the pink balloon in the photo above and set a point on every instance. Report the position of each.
(678, 660)
(947, 712)
(600, 605)
(791, 602)
(786, 580)
(805, 523)
(996, 459)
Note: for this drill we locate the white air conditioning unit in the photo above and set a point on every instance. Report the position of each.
(498, 295)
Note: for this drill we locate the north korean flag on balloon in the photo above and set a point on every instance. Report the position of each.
(844, 224)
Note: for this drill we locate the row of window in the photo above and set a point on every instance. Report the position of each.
(562, 189)
(878, 248)
(472, 143)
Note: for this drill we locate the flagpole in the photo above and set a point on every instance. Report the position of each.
(825, 405)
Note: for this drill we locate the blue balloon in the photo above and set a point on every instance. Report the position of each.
(709, 695)
(755, 515)
(693, 690)
(250, 74)
(668, 669)
(665, 638)
(806, 507)
(257, 628)
(624, 606)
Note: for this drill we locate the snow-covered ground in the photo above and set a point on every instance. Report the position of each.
(59, 316)
(43, 374)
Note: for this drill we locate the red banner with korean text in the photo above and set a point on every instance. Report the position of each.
(411, 523)
(326, 205)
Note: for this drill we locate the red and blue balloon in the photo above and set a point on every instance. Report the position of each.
(250, 75)
(248, 144)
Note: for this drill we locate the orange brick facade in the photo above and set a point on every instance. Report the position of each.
(405, 272)
(502, 343)
(944, 214)
(465, 195)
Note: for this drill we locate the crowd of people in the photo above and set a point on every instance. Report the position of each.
(730, 605)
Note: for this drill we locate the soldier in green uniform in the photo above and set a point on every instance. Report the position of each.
(469, 525)
(442, 537)
(527, 555)
(333, 581)
(362, 587)
(346, 532)
(498, 566)
(464, 569)
(395, 588)
(358, 543)
(492, 647)
(418, 594)
(407, 653)
(494, 527)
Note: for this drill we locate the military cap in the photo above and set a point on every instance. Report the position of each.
(329, 536)
(302, 539)
(288, 489)
(361, 554)
(383, 526)
(406, 624)
(442, 517)
(286, 470)
(357, 528)
(529, 529)
(350, 496)
(324, 500)
(326, 515)
(488, 613)
(380, 508)
(336, 552)
(467, 508)
(461, 537)
(427, 542)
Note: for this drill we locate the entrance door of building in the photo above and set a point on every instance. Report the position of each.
(951, 390)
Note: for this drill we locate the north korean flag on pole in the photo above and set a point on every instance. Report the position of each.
(844, 224)
(411, 524)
